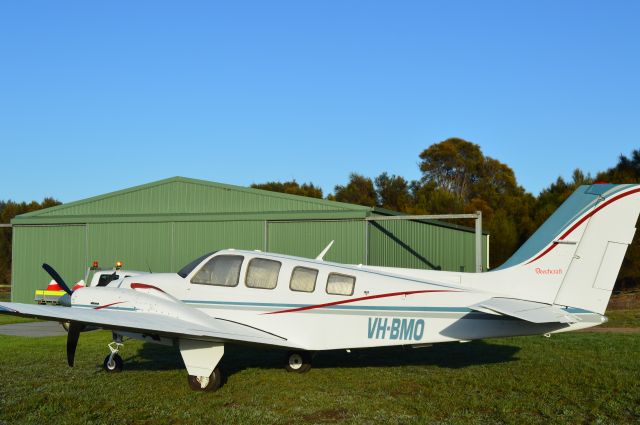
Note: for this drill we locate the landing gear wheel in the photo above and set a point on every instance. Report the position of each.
(298, 361)
(115, 365)
(211, 384)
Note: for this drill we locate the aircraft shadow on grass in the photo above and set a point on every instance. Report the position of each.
(238, 358)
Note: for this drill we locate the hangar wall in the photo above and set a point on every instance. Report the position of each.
(164, 225)
(63, 246)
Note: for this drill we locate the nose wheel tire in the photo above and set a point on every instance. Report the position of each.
(210, 384)
(114, 364)
(298, 361)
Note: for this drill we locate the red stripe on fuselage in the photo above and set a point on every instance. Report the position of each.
(100, 307)
(353, 300)
(145, 286)
(582, 220)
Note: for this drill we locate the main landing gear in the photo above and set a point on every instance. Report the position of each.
(201, 359)
(203, 383)
(298, 361)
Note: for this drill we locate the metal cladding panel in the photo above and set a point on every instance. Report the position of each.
(140, 246)
(63, 247)
(194, 239)
(418, 245)
(308, 239)
(183, 196)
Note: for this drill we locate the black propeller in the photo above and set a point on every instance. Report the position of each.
(55, 276)
(74, 327)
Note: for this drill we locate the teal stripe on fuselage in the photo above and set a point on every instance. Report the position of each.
(93, 307)
(332, 307)
(397, 308)
(351, 307)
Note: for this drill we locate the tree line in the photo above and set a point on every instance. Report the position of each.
(8, 210)
(458, 178)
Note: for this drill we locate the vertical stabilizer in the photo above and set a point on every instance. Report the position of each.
(573, 259)
(608, 232)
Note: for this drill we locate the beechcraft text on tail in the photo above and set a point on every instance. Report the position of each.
(559, 280)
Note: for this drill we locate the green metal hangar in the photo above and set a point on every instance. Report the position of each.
(164, 225)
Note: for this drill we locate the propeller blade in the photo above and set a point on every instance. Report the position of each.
(55, 276)
(72, 341)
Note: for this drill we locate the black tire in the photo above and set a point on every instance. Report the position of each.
(115, 365)
(215, 381)
(298, 361)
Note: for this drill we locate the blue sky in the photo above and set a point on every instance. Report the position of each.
(100, 96)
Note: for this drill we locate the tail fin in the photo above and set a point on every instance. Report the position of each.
(573, 259)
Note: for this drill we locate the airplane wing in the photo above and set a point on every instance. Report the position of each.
(529, 311)
(148, 323)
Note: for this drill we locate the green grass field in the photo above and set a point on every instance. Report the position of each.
(629, 318)
(568, 378)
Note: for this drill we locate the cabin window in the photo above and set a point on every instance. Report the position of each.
(303, 279)
(223, 270)
(184, 272)
(340, 284)
(262, 273)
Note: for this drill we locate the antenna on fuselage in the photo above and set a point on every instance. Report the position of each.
(324, 251)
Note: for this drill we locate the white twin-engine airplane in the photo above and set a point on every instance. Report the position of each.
(559, 280)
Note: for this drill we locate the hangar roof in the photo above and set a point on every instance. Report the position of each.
(185, 199)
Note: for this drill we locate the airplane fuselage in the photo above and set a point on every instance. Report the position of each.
(382, 309)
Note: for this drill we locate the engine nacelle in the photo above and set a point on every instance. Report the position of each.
(144, 299)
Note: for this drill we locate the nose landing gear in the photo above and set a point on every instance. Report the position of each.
(113, 362)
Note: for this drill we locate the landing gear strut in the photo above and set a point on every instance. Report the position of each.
(298, 361)
(113, 362)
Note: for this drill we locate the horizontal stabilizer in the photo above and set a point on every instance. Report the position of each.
(529, 311)
(150, 323)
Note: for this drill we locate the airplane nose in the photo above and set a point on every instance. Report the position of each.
(65, 300)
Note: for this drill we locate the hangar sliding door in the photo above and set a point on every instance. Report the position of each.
(417, 245)
(63, 247)
(309, 238)
(193, 239)
(140, 246)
